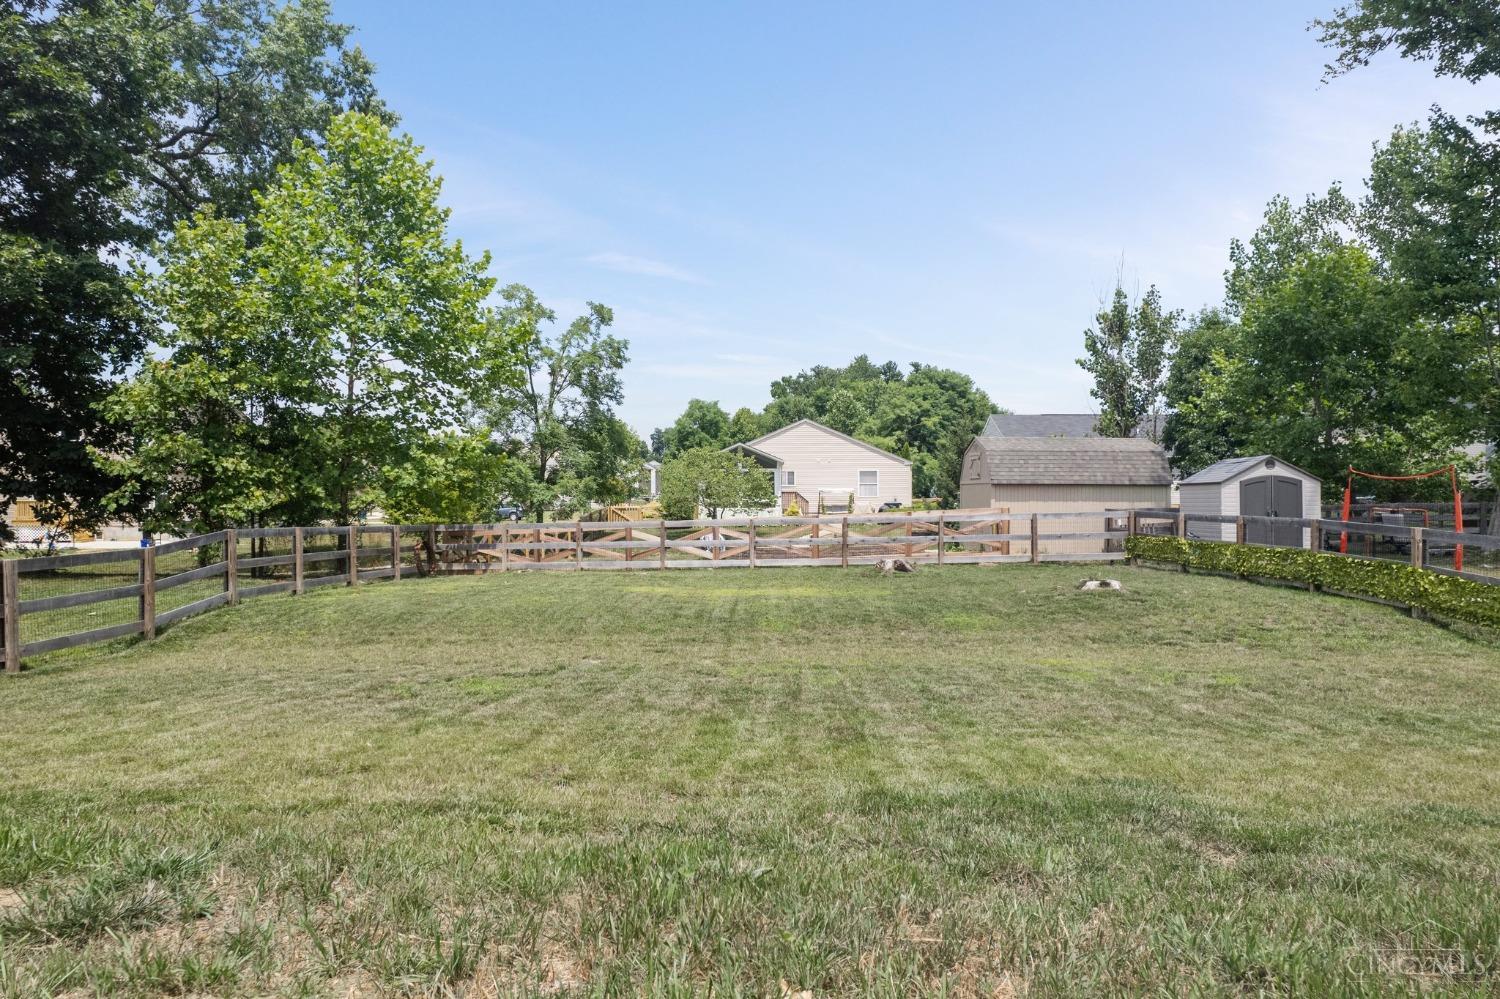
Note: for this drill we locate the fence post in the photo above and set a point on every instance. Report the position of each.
(716, 539)
(10, 583)
(299, 563)
(353, 579)
(817, 550)
(1181, 524)
(942, 542)
(505, 548)
(232, 565)
(752, 542)
(395, 553)
(1239, 530)
(148, 593)
(578, 544)
(1418, 548)
(432, 552)
(844, 545)
(662, 551)
(1036, 541)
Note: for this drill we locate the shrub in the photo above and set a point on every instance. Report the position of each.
(1448, 596)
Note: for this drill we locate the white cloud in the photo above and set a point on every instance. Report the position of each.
(644, 266)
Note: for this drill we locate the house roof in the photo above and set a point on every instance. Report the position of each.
(1223, 471)
(1040, 425)
(1074, 461)
(768, 456)
(1062, 425)
(756, 444)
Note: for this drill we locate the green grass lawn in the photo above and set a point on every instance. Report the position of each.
(972, 780)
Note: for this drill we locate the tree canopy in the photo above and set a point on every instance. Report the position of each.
(927, 414)
(300, 370)
(713, 480)
(136, 115)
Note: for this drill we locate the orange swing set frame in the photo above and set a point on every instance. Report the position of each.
(1458, 502)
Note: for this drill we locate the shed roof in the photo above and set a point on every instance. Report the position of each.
(1229, 468)
(1072, 461)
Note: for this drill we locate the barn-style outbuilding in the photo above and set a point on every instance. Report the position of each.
(1061, 474)
(1260, 485)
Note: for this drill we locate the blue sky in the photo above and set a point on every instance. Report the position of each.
(758, 188)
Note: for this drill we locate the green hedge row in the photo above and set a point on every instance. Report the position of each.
(1448, 596)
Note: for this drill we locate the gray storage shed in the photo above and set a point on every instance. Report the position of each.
(1260, 485)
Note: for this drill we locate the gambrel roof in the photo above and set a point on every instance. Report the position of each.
(1073, 461)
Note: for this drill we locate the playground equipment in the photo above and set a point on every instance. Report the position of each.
(1458, 502)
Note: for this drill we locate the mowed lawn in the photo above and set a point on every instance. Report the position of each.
(971, 780)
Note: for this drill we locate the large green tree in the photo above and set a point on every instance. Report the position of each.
(1434, 207)
(558, 417)
(713, 480)
(384, 307)
(1127, 351)
(123, 117)
(702, 424)
(298, 370)
(1319, 351)
(205, 416)
(1202, 425)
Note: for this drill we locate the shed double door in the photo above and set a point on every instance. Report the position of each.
(1272, 496)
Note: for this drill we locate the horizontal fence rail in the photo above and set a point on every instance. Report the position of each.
(61, 601)
(1469, 556)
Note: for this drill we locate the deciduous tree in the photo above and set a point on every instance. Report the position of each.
(558, 416)
(714, 481)
(1127, 352)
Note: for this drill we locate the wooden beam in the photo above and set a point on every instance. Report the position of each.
(1036, 548)
(299, 562)
(844, 544)
(751, 538)
(1418, 548)
(395, 554)
(353, 579)
(148, 592)
(942, 541)
(10, 583)
(578, 544)
(662, 551)
(232, 566)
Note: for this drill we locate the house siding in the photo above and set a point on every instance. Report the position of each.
(825, 462)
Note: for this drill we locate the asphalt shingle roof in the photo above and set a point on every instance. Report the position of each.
(1223, 471)
(1074, 461)
(1041, 425)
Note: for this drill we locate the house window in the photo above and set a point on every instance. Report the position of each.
(869, 484)
(788, 477)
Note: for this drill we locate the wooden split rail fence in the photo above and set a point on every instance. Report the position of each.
(1433, 549)
(61, 601)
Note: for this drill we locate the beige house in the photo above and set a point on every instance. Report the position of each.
(819, 469)
(1026, 475)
